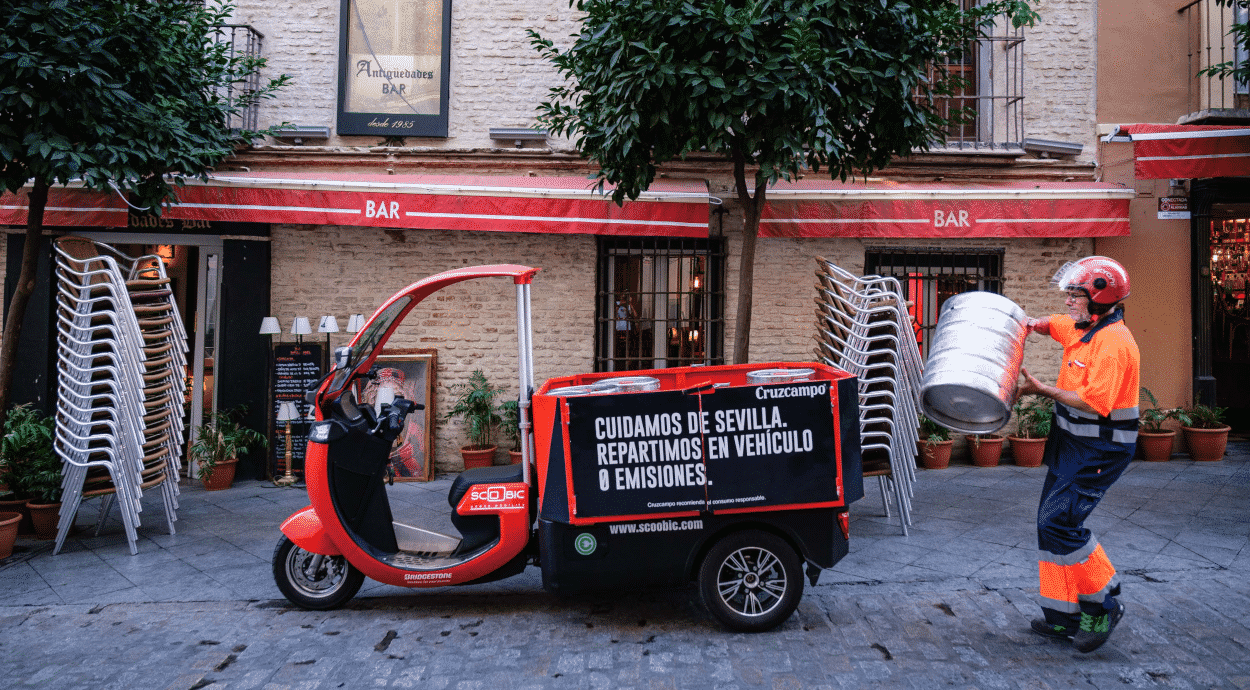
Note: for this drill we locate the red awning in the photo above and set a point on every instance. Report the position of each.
(566, 205)
(822, 208)
(1186, 151)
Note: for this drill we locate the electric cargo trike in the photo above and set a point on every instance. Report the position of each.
(732, 477)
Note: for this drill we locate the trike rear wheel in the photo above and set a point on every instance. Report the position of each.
(751, 581)
(313, 581)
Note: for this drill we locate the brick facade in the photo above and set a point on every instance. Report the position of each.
(497, 79)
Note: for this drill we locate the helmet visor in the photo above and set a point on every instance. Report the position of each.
(1063, 277)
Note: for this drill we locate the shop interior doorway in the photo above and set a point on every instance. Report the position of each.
(193, 263)
(1230, 337)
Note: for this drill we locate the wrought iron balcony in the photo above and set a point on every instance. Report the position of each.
(1213, 98)
(243, 42)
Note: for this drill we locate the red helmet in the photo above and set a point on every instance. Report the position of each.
(1103, 280)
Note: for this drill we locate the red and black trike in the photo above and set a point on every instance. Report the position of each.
(731, 477)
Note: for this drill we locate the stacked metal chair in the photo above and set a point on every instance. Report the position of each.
(863, 327)
(121, 354)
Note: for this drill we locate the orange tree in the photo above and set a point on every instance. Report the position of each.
(130, 95)
(773, 85)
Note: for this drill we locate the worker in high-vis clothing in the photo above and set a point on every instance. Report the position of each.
(1091, 443)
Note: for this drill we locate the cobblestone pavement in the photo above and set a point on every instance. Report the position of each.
(947, 606)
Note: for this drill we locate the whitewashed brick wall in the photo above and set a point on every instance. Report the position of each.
(471, 324)
(497, 79)
(1059, 77)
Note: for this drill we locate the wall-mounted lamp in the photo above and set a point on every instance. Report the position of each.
(1046, 148)
(298, 134)
(355, 322)
(518, 135)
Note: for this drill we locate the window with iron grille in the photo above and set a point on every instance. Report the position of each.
(930, 276)
(660, 303)
(985, 99)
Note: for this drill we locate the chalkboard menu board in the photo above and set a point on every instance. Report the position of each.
(297, 367)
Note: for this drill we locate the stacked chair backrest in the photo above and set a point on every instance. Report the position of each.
(121, 354)
(862, 326)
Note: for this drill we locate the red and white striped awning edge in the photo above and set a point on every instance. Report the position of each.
(1186, 151)
(481, 203)
(936, 210)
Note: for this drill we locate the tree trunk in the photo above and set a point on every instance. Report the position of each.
(752, 208)
(21, 296)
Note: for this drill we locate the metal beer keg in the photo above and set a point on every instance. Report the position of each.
(631, 384)
(973, 368)
(578, 391)
(779, 375)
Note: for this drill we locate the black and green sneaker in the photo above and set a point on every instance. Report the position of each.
(1041, 626)
(1096, 629)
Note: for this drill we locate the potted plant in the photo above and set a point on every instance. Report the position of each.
(510, 413)
(217, 443)
(475, 402)
(1206, 434)
(42, 484)
(1034, 416)
(935, 445)
(27, 453)
(985, 449)
(1154, 441)
(8, 532)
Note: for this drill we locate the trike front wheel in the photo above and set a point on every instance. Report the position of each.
(314, 581)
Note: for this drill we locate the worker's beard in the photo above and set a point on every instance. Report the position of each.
(1082, 318)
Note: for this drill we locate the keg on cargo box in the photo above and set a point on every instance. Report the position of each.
(974, 360)
(779, 375)
(631, 384)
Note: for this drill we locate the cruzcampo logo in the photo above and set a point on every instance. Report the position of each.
(585, 543)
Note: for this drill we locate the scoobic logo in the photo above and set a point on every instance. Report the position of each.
(585, 543)
(496, 494)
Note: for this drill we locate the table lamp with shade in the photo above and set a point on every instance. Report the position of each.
(287, 412)
(327, 325)
(300, 328)
(355, 322)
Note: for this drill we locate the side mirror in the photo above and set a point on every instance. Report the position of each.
(340, 356)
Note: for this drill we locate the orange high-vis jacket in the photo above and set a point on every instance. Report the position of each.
(1105, 372)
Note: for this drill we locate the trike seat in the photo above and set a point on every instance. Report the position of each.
(495, 474)
(479, 530)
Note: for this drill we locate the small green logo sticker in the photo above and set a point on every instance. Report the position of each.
(585, 543)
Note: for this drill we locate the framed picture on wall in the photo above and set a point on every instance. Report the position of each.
(408, 373)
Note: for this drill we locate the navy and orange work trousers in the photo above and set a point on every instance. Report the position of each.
(1074, 573)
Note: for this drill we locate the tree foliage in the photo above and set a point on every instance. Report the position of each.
(780, 86)
(784, 84)
(131, 95)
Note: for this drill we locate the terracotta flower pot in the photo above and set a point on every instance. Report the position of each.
(514, 457)
(1027, 452)
(985, 450)
(477, 457)
(934, 455)
(45, 516)
(18, 505)
(1156, 446)
(222, 477)
(8, 532)
(1206, 445)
